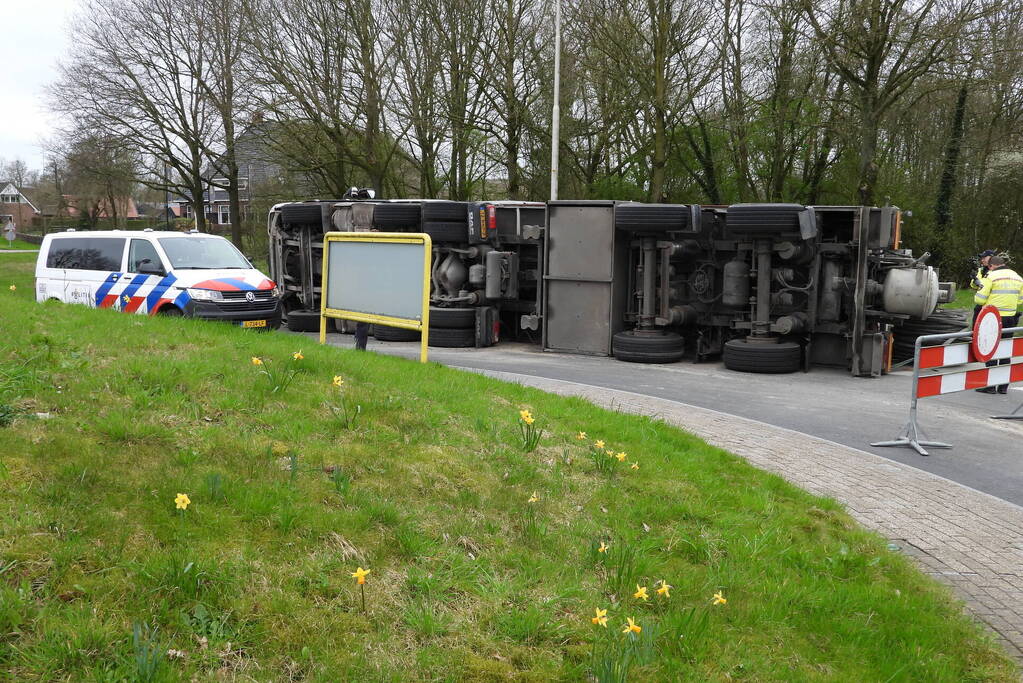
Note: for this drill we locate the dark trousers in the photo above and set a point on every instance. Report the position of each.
(361, 335)
(1007, 321)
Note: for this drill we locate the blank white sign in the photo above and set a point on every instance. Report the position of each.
(382, 278)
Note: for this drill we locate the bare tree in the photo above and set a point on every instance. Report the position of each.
(881, 48)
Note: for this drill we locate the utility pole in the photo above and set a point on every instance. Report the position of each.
(166, 196)
(556, 113)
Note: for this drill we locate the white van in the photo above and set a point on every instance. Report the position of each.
(150, 272)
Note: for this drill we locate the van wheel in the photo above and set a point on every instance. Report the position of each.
(171, 311)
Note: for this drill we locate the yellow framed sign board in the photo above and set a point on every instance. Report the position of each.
(377, 277)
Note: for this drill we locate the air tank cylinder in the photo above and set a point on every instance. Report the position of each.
(735, 284)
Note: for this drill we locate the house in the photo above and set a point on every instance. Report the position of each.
(255, 169)
(14, 205)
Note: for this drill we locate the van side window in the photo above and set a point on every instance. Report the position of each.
(139, 251)
(86, 253)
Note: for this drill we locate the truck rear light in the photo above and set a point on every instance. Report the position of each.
(491, 219)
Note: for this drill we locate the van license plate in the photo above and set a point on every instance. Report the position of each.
(253, 323)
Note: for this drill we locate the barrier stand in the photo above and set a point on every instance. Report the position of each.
(1014, 415)
(949, 368)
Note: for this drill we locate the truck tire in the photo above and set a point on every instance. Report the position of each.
(394, 334)
(303, 321)
(652, 217)
(452, 318)
(442, 231)
(742, 356)
(941, 322)
(446, 212)
(396, 215)
(633, 347)
(767, 219)
(453, 339)
(302, 214)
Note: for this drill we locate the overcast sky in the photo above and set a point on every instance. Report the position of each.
(34, 37)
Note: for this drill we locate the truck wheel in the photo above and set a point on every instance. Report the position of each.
(303, 321)
(452, 318)
(767, 219)
(652, 217)
(302, 214)
(446, 212)
(646, 347)
(394, 334)
(742, 356)
(452, 339)
(446, 231)
(397, 215)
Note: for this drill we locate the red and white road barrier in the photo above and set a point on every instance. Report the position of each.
(950, 368)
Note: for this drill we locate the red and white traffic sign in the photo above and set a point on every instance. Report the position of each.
(987, 332)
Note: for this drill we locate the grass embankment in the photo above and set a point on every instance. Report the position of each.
(101, 578)
(17, 244)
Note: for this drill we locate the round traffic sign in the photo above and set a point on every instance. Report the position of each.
(987, 332)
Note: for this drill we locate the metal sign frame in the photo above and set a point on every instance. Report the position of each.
(422, 325)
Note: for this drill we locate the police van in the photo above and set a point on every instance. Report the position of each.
(156, 273)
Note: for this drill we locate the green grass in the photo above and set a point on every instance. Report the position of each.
(102, 580)
(963, 300)
(17, 244)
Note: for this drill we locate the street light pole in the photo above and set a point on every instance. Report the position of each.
(556, 113)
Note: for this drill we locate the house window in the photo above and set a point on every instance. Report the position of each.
(225, 214)
(10, 199)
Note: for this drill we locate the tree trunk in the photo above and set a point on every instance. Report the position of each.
(949, 172)
(868, 169)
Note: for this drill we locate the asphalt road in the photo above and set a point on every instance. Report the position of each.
(987, 454)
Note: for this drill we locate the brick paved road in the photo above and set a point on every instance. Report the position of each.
(962, 536)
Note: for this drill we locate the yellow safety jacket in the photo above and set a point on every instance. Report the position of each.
(1002, 288)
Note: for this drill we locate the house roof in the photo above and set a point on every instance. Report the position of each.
(9, 188)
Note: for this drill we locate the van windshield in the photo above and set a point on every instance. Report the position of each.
(201, 253)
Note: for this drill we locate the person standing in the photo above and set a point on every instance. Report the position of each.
(978, 278)
(1003, 289)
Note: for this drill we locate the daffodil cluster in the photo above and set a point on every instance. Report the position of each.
(529, 432)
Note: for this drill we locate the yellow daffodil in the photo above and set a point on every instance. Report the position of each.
(641, 593)
(609, 452)
(602, 548)
(297, 355)
(256, 360)
(719, 599)
(621, 456)
(632, 627)
(599, 444)
(528, 419)
(525, 415)
(360, 575)
(663, 590)
(338, 380)
(634, 466)
(181, 501)
(533, 498)
(13, 288)
(601, 618)
(581, 436)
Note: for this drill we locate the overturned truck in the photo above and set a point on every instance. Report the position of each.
(485, 279)
(769, 288)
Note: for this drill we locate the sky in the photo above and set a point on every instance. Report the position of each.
(33, 36)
